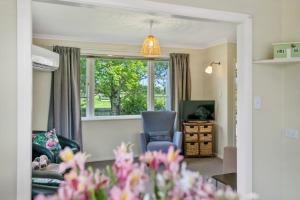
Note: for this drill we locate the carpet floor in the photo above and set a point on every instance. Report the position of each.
(205, 166)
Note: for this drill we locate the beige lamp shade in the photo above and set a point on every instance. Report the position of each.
(151, 47)
(209, 69)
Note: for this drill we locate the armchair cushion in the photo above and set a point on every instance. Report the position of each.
(46, 139)
(159, 146)
(159, 136)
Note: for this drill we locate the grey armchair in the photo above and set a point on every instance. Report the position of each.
(159, 132)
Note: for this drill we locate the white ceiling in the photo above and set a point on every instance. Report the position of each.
(116, 26)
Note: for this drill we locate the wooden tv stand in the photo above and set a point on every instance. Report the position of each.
(198, 138)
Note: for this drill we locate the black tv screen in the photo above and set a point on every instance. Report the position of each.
(197, 110)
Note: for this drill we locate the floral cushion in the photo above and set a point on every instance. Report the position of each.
(47, 139)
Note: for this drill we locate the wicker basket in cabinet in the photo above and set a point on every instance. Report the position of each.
(198, 138)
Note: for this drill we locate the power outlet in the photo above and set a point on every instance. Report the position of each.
(257, 102)
(291, 133)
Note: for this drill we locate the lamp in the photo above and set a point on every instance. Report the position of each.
(209, 68)
(151, 47)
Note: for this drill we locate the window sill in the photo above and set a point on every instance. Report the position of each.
(104, 118)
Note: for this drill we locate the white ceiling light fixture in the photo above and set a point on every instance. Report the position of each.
(209, 68)
(151, 47)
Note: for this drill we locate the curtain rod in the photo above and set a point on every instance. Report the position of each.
(125, 57)
(110, 54)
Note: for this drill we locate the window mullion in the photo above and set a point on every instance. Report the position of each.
(150, 90)
(90, 86)
(168, 90)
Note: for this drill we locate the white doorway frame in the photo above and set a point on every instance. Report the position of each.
(244, 96)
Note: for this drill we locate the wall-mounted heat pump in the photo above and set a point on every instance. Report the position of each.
(44, 59)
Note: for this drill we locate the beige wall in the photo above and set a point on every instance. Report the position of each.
(8, 103)
(219, 86)
(290, 149)
(231, 98)
(40, 99)
(101, 137)
(291, 107)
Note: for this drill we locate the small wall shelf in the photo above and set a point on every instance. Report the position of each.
(278, 61)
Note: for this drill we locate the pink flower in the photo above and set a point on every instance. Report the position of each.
(48, 134)
(172, 160)
(71, 160)
(65, 193)
(50, 143)
(101, 181)
(72, 179)
(137, 179)
(123, 154)
(118, 194)
(42, 197)
(128, 179)
(122, 172)
(80, 160)
(33, 136)
(123, 163)
(152, 159)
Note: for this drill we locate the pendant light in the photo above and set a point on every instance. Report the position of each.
(151, 47)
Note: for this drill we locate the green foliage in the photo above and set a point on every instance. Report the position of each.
(135, 102)
(121, 86)
(160, 103)
(120, 80)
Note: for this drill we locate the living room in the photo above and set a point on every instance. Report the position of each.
(212, 66)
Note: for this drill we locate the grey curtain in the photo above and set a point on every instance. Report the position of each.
(180, 82)
(64, 112)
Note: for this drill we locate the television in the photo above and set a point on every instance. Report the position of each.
(197, 110)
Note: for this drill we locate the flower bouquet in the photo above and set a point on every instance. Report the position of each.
(157, 176)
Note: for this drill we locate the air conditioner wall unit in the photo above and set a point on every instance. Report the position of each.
(44, 59)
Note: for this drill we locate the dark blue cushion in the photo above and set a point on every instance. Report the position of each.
(159, 136)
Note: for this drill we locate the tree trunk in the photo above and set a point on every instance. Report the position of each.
(115, 103)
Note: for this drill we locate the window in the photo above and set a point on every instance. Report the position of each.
(112, 86)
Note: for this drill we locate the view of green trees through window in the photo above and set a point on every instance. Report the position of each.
(120, 86)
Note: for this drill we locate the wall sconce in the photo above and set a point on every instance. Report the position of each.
(209, 68)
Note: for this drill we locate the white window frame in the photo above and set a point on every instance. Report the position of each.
(90, 89)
